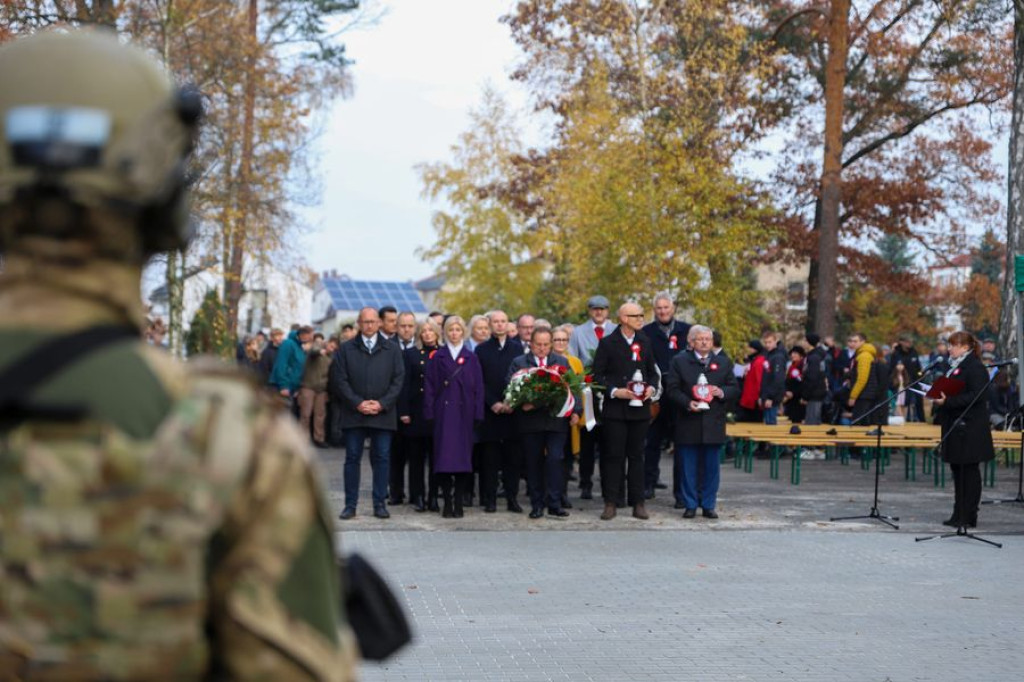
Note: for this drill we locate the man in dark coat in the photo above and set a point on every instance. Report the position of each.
(700, 431)
(815, 380)
(668, 338)
(773, 382)
(366, 379)
(498, 437)
(623, 357)
(966, 432)
(269, 355)
(905, 353)
(541, 434)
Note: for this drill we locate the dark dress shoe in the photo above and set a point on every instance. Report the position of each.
(689, 513)
(951, 522)
(514, 506)
(649, 494)
(679, 505)
(320, 446)
(566, 504)
(536, 513)
(660, 486)
(710, 514)
(586, 494)
(418, 505)
(490, 508)
(347, 513)
(639, 512)
(382, 513)
(560, 513)
(609, 512)
(396, 499)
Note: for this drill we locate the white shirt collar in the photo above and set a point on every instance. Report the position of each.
(629, 339)
(369, 341)
(455, 350)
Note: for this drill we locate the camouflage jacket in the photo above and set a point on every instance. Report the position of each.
(178, 534)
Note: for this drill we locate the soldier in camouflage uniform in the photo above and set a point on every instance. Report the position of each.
(157, 521)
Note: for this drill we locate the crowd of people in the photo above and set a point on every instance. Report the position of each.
(430, 397)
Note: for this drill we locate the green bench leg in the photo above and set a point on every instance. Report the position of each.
(794, 467)
(773, 469)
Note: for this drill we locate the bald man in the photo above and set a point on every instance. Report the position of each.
(619, 357)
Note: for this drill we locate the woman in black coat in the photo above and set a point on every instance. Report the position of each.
(413, 425)
(967, 442)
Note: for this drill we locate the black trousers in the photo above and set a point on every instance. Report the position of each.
(396, 474)
(588, 455)
(505, 456)
(418, 453)
(966, 492)
(543, 452)
(660, 430)
(623, 447)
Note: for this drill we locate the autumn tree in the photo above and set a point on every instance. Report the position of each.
(980, 303)
(483, 246)
(264, 69)
(913, 158)
(653, 103)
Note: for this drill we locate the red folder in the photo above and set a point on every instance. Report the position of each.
(945, 385)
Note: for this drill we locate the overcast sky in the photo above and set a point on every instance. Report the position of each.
(417, 75)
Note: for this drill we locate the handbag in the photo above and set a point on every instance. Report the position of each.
(377, 619)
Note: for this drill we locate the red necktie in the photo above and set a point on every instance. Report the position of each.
(543, 362)
(599, 332)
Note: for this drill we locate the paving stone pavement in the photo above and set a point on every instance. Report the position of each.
(678, 606)
(782, 594)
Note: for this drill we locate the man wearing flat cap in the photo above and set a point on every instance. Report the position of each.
(583, 344)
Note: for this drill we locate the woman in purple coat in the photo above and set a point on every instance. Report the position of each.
(454, 400)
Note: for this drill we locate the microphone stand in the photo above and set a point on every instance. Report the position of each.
(1018, 412)
(878, 433)
(961, 530)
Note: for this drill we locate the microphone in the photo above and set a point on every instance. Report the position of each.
(1004, 363)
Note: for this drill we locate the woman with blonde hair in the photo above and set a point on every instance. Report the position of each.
(454, 399)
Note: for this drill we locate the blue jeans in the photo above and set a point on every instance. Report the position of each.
(771, 414)
(687, 457)
(380, 456)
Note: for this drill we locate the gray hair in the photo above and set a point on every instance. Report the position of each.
(698, 329)
(664, 296)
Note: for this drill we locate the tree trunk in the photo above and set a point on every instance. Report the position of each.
(831, 175)
(233, 269)
(1015, 175)
(812, 272)
(175, 282)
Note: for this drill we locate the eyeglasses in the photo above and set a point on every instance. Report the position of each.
(559, 340)
(634, 315)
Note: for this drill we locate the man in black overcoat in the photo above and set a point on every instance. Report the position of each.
(668, 338)
(498, 436)
(623, 356)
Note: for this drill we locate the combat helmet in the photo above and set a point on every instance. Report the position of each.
(94, 146)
